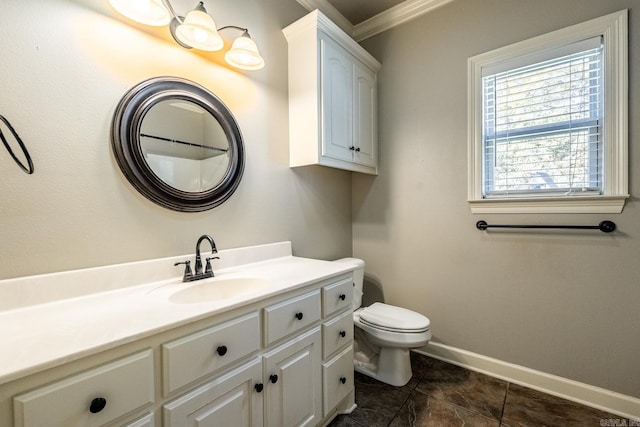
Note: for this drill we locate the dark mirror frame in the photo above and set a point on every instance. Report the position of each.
(125, 141)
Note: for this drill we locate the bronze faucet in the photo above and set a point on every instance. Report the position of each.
(190, 276)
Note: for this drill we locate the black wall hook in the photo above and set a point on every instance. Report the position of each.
(29, 169)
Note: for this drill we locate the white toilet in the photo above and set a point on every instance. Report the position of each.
(384, 334)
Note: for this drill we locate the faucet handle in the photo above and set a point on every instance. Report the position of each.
(188, 274)
(208, 268)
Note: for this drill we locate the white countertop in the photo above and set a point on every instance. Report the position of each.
(40, 336)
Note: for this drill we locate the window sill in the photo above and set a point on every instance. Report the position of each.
(593, 205)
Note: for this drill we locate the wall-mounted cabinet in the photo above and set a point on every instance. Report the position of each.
(332, 98)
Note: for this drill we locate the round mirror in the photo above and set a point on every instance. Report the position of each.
(178, 144)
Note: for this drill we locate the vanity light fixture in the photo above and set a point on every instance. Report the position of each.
(244, 52)
(197, 30)
(148, 12)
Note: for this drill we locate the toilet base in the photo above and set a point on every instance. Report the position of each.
(393, 366)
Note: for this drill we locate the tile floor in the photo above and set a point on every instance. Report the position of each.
(441, 394)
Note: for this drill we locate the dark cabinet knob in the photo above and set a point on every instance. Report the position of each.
(299, 316)
(259, 387)
(358, 149)
(221, 350)
(342, 297)
(273, 378)
(343, 380)
(352, 148)
(343, 334)
(97, 405)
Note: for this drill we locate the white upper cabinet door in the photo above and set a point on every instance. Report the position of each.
(337, 105)
(365, 112)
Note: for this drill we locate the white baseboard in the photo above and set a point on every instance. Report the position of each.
(585, 394)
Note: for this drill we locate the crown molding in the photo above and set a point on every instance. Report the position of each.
(399, 14)
(330, 11)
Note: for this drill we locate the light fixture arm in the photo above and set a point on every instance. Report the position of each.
(180, 19)
(235, 27)
(172, 11)
(177, 20)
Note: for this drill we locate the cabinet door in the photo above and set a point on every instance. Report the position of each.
(337, 106)
(292, 382)
(229, 400)
(365, 137)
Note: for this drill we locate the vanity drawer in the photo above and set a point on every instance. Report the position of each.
(337, 333)
(337, 296)
(92, 398)
(337, 379)
(291, 315)
(194, 356)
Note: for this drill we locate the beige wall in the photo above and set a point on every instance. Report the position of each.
(65, 64)
(563, 303)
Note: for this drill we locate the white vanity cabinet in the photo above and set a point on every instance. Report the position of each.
(286, 384)
(282, 361)
(332, 97)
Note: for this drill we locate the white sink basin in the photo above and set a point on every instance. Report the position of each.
(217, 288)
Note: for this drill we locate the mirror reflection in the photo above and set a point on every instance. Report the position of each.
(184, 145)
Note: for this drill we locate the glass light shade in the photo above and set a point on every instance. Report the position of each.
(148, 12)
(198, 30)
(244, 54)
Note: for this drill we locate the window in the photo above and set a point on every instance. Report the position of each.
(548, 122)
(541, 126)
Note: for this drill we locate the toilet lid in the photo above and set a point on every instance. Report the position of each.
(395, 319)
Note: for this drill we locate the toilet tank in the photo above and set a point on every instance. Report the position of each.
(358, 278)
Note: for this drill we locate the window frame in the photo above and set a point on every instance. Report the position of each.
(613, 29)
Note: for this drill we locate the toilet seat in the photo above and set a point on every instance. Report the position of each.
(393, 319)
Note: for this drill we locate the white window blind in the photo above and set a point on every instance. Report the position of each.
(542, 125)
